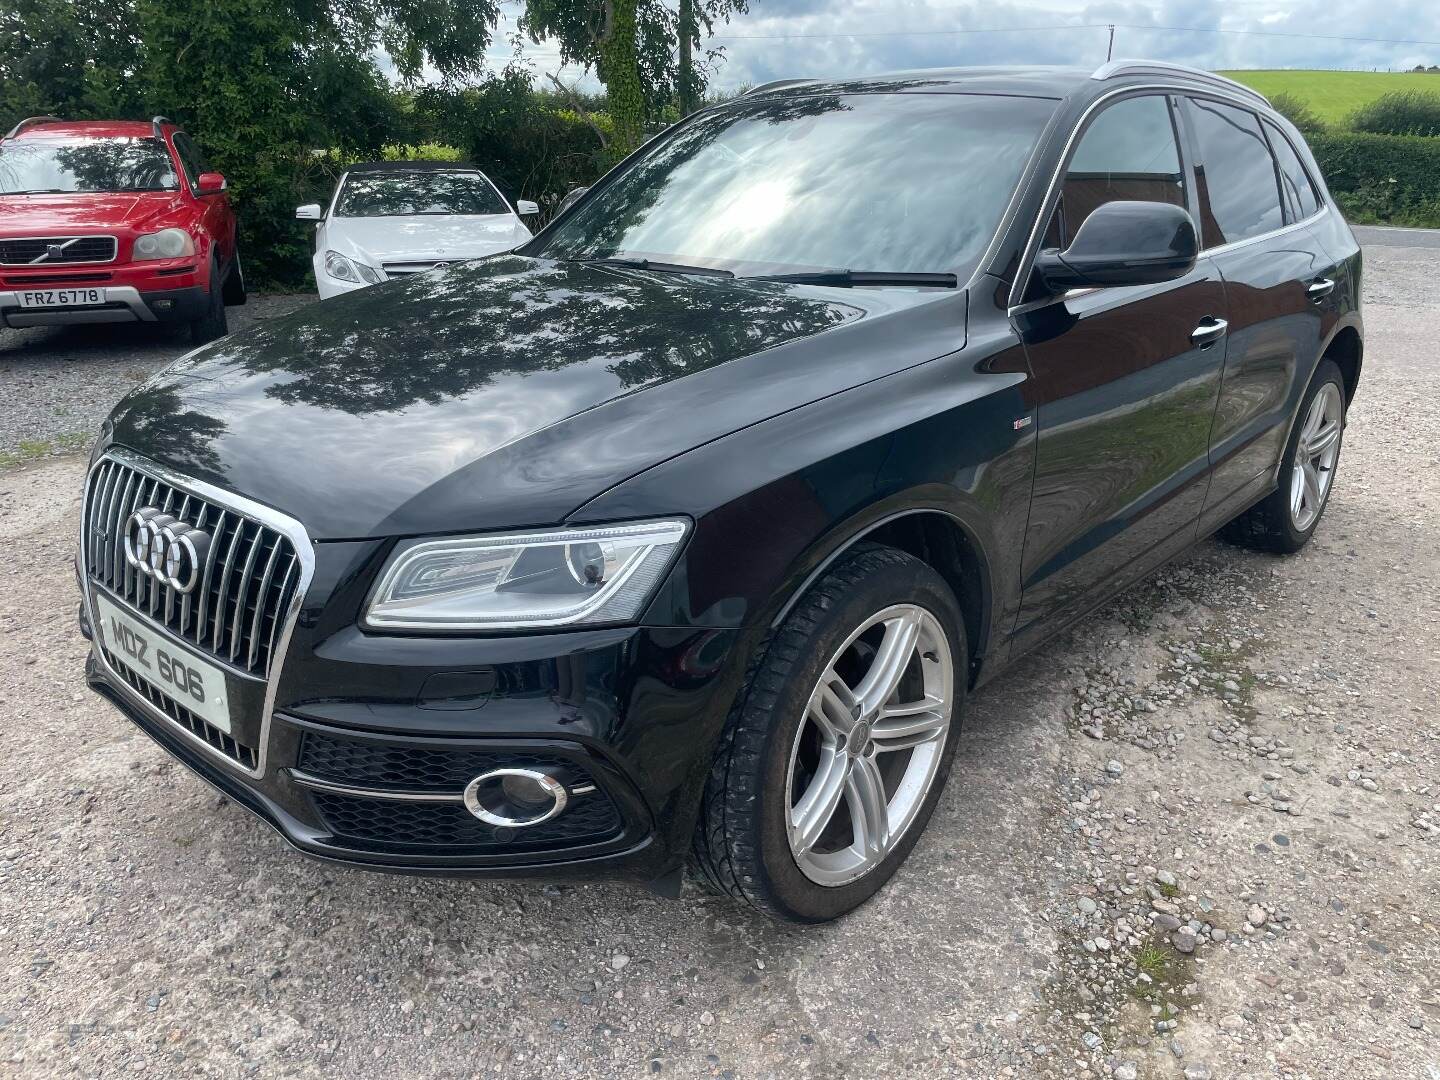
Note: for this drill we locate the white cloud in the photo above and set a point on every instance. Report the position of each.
(796, 38)
(920, 33)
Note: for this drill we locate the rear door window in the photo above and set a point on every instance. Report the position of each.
(1299, 190)
(1236, 175)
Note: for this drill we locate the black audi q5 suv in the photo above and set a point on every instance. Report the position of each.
(679, 535)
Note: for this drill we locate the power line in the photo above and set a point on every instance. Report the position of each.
(1279, 34)
(1075, 26)
(912, 33)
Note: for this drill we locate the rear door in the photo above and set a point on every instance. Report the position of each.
(1252, 228)
(1126, 381)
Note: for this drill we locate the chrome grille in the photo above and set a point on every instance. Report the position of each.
(52, 250)
(405, 269)
(237, 609)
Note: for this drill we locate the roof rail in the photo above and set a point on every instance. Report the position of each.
(156, 121)
(28, 121)
(778, 84)
(1116, 68)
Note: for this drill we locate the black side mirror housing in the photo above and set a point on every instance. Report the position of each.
(1124, 243)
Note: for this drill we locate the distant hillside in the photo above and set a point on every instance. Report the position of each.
(1334, 95)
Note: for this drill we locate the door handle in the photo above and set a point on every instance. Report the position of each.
(1320, 288)
(1208, 332)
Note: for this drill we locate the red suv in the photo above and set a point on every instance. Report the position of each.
(114, 221)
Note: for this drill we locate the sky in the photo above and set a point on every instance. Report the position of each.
(780, 39)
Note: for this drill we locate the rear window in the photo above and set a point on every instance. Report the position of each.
(1239, 195)
(45, 166)
(417, 194)
(1299, 190)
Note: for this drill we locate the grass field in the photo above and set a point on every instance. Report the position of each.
(1334, 95)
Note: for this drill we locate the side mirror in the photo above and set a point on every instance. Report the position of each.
(524, 207)
(309, 212)
(571, 197)
(1124, 243)
(209, 183)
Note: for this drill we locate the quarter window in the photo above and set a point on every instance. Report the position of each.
(1239, 194)
(1129, 153)
(1299, 191)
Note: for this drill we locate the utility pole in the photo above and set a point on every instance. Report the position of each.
(1109, 49)
(686, 88)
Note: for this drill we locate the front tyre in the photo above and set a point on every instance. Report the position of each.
(213, 323)
(235, 293)
(1285, 520)
(837, 749)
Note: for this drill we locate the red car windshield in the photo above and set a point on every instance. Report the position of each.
(43, 166)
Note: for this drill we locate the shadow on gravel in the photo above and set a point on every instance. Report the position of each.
(69, 342)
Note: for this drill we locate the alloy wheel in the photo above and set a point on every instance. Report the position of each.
(1316, 453)
(870, 744)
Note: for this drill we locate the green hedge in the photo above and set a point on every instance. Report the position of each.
(1390, 179)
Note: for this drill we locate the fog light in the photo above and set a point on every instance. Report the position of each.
(515, 798)
(162, 305)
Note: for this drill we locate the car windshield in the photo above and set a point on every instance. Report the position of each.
(413, 194)
(66, 165)
(898, 183)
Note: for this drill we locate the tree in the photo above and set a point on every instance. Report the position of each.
(67, 56)
(697, 21)
(625, 42)
(631, 47)
(1298, 112)
(261, 85)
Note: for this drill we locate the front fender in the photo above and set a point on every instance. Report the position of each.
(774, 503)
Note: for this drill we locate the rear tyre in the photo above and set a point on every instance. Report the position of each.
(836, 750)
(212, 324)
(1285, 520)
(235, 294)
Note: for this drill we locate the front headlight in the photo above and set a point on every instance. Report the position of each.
(344, 269)
(563, 577)
(165, 244)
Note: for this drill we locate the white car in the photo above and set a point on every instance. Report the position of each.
(395, 218)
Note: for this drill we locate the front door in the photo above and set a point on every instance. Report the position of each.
(1126, 382)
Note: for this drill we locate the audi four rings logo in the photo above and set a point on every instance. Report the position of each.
(165, 548)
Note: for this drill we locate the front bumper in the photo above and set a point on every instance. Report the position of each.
(122, 304)
(358, 718)
(293, 810)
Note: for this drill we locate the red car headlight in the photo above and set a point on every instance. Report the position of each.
(165, 244)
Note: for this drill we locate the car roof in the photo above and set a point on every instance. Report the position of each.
(1030, 81)
(413, 166)
(1053, 82)
(51, 129)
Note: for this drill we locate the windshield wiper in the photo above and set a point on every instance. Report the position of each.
(658, 267)
(38, 191)
(852, 278)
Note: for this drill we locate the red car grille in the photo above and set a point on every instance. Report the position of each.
(53, 250)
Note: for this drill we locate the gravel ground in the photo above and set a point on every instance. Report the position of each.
(1199, 836)
(59, 382)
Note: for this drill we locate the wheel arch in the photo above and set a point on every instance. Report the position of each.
(940, 539)
(1347, 349)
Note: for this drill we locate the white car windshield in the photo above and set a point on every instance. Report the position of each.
(414, 194)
